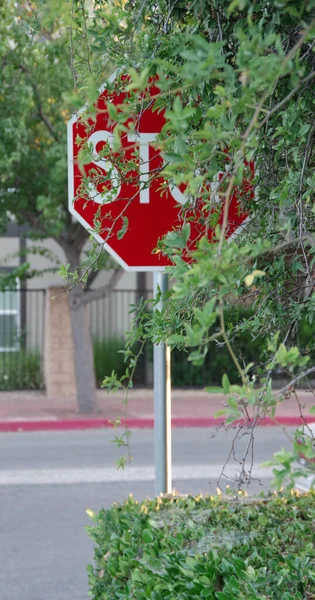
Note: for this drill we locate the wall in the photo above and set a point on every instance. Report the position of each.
(9, 248)
(42, 263)
(109, 317)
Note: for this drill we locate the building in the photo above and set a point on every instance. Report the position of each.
(22, 310)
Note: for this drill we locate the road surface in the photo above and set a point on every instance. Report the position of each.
(48, 480)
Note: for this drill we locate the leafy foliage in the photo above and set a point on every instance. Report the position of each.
(38, 74)
(187, 548)
(35, 72)
(21, 370)
(235, 81)
(236, 84)
(108, 357)
(36, 102)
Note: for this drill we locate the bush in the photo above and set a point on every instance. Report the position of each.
(247, 349)
(194, 548)
(184, 374)
(217, 362)
(107, 357)
(21, 370)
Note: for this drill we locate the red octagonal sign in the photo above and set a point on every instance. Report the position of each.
(103, 199)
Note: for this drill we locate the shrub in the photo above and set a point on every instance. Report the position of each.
(21, 370)
(107, 357)
(194, 548)
(217, 362)
(247, 349)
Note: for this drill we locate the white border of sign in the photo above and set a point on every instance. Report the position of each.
(71, 208)
(81, 220)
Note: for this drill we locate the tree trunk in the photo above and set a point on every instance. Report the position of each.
(82, 344)
(83, 353)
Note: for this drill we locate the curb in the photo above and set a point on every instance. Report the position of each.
(98, 423)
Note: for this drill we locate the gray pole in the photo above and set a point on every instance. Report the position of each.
(162, 403)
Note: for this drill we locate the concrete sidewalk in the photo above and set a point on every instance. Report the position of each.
(29, 411)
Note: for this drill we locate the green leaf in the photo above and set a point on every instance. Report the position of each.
(262, 520)
(197, 357)
(186, 233)
(281, 355)
(136, 576)
(204, 580)
(147, 536)
(112, 111)
(124, 228)
(174, 240)
(225, 384)
(176, 339)
(207, 593)
(190, 561)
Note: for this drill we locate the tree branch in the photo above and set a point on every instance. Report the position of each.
(102, 292)
(296, 380)
(287, 98)
(81, 236)
(72, 241)
(40, 111)
(33, 220)
(91, 278)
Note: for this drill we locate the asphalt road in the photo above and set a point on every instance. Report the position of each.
(48, 480)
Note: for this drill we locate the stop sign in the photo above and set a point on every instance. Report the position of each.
(128, 215)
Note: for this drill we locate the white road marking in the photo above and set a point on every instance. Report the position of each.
(305, 484)
(112, 475)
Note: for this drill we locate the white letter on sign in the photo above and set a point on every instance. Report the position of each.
(144, 140)
(107, 166)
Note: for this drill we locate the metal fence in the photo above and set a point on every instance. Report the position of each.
(22, 332)
(22, 338)
(110, 317)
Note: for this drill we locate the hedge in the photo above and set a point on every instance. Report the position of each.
(108, 358)
(21, 370)
(193, 548)
(217, 362)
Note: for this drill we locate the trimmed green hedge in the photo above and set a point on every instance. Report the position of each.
(21, 370)
(194, 548)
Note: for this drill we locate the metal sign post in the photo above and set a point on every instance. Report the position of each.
(160, 214)
(162, 403)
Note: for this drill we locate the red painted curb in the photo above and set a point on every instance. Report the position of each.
(98, 423)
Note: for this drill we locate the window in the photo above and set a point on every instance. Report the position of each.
(10, 320)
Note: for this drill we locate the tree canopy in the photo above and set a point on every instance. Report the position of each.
(236, 82)
(36, 103)
(37, 99)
